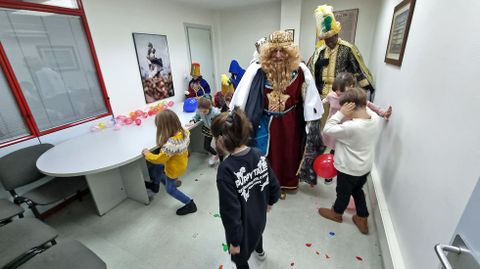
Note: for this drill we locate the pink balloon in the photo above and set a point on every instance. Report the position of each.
(139, 113)
(145, 115)
(121, 118)
(171, 103)
(117, 127)
(128, 121)
(138, 122)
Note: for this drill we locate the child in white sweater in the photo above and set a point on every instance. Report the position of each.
(356, 131)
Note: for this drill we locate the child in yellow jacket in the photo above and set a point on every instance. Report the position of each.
(172, 159)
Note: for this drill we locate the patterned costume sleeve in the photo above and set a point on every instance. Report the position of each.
(359, 70)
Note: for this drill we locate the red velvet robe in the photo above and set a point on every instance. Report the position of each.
(287, 134)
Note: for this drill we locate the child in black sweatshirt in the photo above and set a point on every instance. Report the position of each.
(247, 187)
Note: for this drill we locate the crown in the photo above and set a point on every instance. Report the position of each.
(280, 38)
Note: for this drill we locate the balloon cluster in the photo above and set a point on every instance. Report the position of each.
(133, 117)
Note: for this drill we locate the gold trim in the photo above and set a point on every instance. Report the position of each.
(363, 83)
(328, 74)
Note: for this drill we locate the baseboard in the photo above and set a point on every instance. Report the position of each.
(389, 247)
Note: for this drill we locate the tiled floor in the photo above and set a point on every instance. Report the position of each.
(133, 235)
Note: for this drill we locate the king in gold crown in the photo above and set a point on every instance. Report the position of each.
(280, 38)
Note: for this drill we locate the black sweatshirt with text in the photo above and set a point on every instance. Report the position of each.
(246, 186)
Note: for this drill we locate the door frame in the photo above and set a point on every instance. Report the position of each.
(214, 60)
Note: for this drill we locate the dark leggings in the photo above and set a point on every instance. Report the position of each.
(242, 263)
(207, 145)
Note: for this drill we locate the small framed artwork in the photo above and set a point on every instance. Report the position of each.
(59, 58)
(292, 31)
(348, 19)
(154, 66)
(397, 40)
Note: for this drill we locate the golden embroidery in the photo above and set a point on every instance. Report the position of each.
(328, 72)
(277, 101)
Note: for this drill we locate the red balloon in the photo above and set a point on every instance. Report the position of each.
(151, 112)
(138, 122)
(128, 121)
(323, 166)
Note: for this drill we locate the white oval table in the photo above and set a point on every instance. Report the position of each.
(112, 161)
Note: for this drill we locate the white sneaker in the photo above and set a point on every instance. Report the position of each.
(213, 160)
(261, 256)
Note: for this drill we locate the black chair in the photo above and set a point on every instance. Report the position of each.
(19, 169)
(21, 239)
(8, 211)
(65, 255)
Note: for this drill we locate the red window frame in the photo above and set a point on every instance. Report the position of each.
(13, 82)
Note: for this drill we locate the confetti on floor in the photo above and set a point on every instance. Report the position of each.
(308, 244)
(196, 179)
(318, 253)
(359, 258)
(326, 256)
(216, 215)
(220, 267)
(195, 235)
(331, 233)
(292, 264)
(225, 247)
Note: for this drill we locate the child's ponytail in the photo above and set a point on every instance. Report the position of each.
(234, 128)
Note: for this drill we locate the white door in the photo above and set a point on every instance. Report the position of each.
(200, 48)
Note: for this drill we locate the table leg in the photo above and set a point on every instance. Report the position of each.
(133, 175)
(196, 139)
(107, 189)
(110, 188)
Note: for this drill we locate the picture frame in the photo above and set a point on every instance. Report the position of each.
(349, 20)
(291, 31)
(154, 65)
(59, 58)
(397, 39)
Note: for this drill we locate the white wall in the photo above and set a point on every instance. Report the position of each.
(429, 153)
(367, 17)
(240, 28)
(291, 17)
(112, 24)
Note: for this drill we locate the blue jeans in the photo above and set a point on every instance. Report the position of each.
(157, 174)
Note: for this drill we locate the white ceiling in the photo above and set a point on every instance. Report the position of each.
(222, 4)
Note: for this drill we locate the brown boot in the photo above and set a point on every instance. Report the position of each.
(328, 213)
(362, 224)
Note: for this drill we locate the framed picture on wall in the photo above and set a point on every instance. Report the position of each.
(154, 66)
(348, 19)
(292, 31)
(397, 40)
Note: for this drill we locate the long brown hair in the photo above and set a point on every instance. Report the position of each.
(168, 125)
(233, 127)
